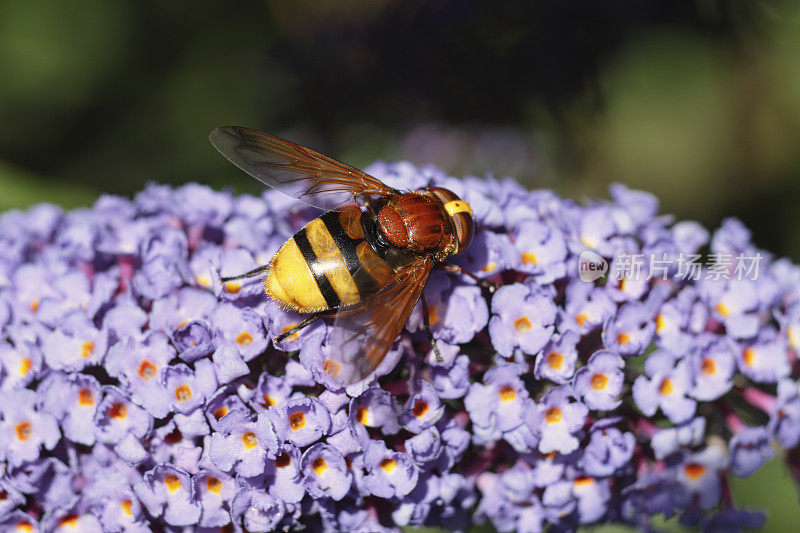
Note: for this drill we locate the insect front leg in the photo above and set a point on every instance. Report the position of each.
(455, 269)
(303, 323)
(427, 321)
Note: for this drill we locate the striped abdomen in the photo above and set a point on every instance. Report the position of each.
(327, 264)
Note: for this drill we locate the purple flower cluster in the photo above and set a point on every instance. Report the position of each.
(137, 391)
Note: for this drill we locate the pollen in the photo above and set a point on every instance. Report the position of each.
(219, 413)
(599, 381)
(183, 393)
(283, 460)
(319, 465)
(420, 408)
(387, 465)
(581, 319)
(249, 440)
(172, 482)
(489, 267)
(297, 420)
(708, 366)
(332, 367)
(749, 356)
(24, 431)
(294, 336)
(85, 397)
(87, 349)
(147, 370)
(529, 257)
(213, 485)
(660, 323)
(507, 393)
(24, 366)
(126, 507)
(694, 470)
(522, 324)
(70, 520)
(666, 387)
(433, 315)
(244, 339)
(362, 415)
(555, 360)
(232, 288)
(553, 415)
(722, 309)
(623, 338)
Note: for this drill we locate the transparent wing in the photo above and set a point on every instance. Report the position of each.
(362, 335)
(294, 170)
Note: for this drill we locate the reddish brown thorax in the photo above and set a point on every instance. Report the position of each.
(415, 222)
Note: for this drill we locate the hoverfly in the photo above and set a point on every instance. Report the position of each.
(365, 262)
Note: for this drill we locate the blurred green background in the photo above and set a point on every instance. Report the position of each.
(697, 101)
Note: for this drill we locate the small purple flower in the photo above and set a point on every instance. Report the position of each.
(76, 344)
(609, 449)
(784, 421)
(214, 492)
(167, 491)
(667, 441)
(23, 429)
(423, 409)
(496, 406)
(556, 361)
(242, 328)
(542, 251)
(325, 472)
(283, 475)
(713, 365)
(524, 319)
(764, 360)
(666, 385)
(586, 308)
(237, 446)
(749, 450)
(308, 420)
(257, 511)
(388, 474)
(562, 419)
(699, 474)
(375, 408)
(72, 400)
(189, 389)
(599, 383)
(116, 416)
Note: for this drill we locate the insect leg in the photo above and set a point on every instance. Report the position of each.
(455, 269)
(253, 273)
(303, 323)
(427, 321)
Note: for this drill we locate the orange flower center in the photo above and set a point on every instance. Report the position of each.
(183, 393)
(24, 431)
(319, 465)
(660, 323)
(749, 356)
(507, 393)
(555, 360)
(361, 415)
(489, 267)
(583, 481)
(213, 485)
(297, 420)
(126, 507)
(599, 381)
(24, 366)
(232, 288)
(666, 387)
(528, 257)
(222, 411)
(553, 415)
(387, 465)
(694, 470)
(723, 309)
(332, 367)
(433, 315)
(294, 336)
(708, 367)
(70, 520)
(522, 324)
(244, 339)
(581, 319)
(172, 482)
(623, 338)
(85, 397)
(420, 408)
(282, 460)
(118, 410)
(147, 370)
(249, 440)
(87, 349)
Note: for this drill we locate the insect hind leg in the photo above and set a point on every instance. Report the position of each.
(253, 273)
(426, 319)
(455, 269)
(307, 321)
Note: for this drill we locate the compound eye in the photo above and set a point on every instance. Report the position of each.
(465, 229)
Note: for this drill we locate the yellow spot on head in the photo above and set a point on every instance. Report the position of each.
(708, 366)
(213, 485)
(85, 397)
(749, 356)
(666, 387)
(232, 288)
(319, 465)
(660, 323)
(623, 338)
(599, 381)
(172, 482)
(522, 324)
(222, 411)
(87, 349)
(694, 470)
(553, 415)
(581, 319)
(249, 440)
(454, 207)
(294, 336)
(507, 393)
(183, 393)
(126, 507)
(147, 370)
(528, 257)
(297, 420)
(24, 431)
(24, 366)
(420, 408)
(387, 465)
(244, 339)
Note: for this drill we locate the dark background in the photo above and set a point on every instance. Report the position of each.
(697, 101)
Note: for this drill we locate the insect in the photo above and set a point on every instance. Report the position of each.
(364, 262)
